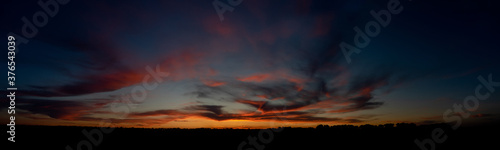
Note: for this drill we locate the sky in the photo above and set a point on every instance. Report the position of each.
(266, 64)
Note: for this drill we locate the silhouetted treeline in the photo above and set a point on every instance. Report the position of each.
(388, 136)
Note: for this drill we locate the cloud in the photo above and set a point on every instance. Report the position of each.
(156, 113)
(255, 78)
(290, 67)
(214, 112)
(63, 109)
(425, 122)
(295, 100)
(316, 85)
(481, 115)
(213, 83)
(255, 104)
(214, 109)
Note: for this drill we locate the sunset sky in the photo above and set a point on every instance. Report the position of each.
(267, 64)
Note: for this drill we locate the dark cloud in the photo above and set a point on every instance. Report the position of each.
(358, 96)
(156, 113)
(62, 109)
(428, 122)
(214, 112)
(214, 109)
(482, 115)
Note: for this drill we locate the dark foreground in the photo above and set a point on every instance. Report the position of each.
(322, 137)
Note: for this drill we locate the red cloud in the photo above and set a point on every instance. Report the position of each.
(215, 26)
(255, 78)
(186, 63)
(322, 25)
(256, 104)
(263, 96)
(213, 83)
(481, 115)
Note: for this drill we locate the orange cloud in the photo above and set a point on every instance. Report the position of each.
(481, 115)
(213, 83)
(255, 78)
(256, 104)
(263, 96)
